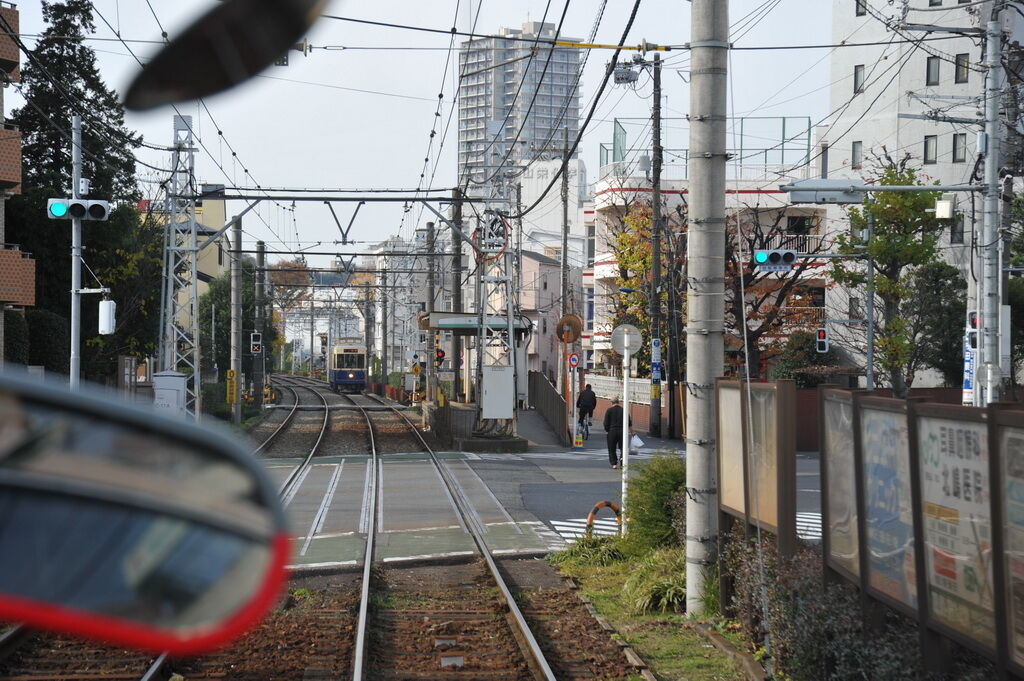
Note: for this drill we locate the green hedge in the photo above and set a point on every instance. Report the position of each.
(15, 337)
(49, 337)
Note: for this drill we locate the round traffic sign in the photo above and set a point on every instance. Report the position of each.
(626, 337)
(569, 328)
(574, 360)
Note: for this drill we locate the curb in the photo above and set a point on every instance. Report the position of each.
(632, 657)
(751, 668)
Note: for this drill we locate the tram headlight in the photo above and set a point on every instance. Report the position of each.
(351, 375)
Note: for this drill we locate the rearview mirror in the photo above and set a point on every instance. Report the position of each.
(228, 45)
(126, 527)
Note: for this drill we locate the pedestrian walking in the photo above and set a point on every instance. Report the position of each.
(613, 426)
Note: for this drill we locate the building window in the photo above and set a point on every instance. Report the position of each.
(932, 71)
(858, 79)
(544, 326)
(956, 230)
(590, 309)
(591, 244)
(854, 310)
(960, 147)
(857, 155)
(963, 68)
(935, 3)
(860, 7)
(799, 224)
(931, 148)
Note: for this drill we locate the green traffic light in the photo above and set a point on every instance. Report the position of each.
(58, 209)
(761, 257)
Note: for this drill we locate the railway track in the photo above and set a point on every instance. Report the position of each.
(459, 621)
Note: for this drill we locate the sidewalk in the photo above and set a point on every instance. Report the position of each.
(533, 427)
(538, 433)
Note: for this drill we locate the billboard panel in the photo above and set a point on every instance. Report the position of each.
(763, 458)
(730, 449)
(840, 476)
(889, 526)
(954, 467)
(1011, 452)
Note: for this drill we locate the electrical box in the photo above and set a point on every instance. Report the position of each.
(108, 317)
(498, 393)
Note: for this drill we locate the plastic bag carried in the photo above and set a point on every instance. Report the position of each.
(635, 443)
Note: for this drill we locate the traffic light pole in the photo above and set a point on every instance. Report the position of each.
(76, 255)
(869, 307)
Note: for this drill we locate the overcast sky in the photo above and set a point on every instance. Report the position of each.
(360, 118)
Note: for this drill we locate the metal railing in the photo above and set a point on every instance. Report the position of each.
(549, 404)
(610, 387)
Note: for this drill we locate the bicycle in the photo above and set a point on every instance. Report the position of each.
(583, 427)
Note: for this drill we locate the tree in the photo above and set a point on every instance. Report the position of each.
(61, 79)
(218, 348)
(935, 312)
(800, 359)
(904, 238)
(48, 337)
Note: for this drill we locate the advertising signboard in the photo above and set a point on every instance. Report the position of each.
(730, 449)
(763, 458)
(1011, 453)
(954, 467)
(888, 519)
(840, 476)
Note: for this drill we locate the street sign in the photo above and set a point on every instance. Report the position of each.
(231, 375)
(574, 360)
(569, 328)
(416, 370)
(626, 337)
(655, 371)
(655, 351)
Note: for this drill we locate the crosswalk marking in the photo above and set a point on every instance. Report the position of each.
(572, 529)
(808, 525)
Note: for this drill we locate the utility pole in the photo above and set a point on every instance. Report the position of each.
(991, 274)
(236, 321)
(258, 368)
(458, 391)
(705, 356)
(563, 374)
(655, 296)
(431, 369)
(384, 320)
(312, 329)
(76, 255)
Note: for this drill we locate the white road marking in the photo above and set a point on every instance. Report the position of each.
(365, 509)
(425, 556)
(325, 504)
(574, 528)
(808, 525)
(295, 488)
(307, 566)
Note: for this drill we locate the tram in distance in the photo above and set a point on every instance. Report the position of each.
(348, 367)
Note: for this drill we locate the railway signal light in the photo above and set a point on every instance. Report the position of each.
(774, 260)
(822, 342)
(438, 357)
(83, 209)
(256, 343)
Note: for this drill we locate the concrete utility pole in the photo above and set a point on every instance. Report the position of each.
(258, 367)
(990, 260)
(312, 329)
(385, 318)
(563, 374)
(655, 296)
(236, 319)
(76, 255)
(705, 356)
(431, 369)
(458, 390)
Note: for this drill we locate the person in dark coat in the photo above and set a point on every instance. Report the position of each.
(613, 426)
(586, 403)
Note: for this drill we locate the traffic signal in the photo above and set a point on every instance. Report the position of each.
(438, 357)
(972, 330)
(84, 209)
(821, 343)
(774, 260)
(256, 343)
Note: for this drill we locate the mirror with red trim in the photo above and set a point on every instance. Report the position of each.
(130, 528)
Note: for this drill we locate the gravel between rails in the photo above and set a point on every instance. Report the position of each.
(45, 656)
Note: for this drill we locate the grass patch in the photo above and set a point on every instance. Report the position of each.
(658, 583)
(589, 551)
(667, 641)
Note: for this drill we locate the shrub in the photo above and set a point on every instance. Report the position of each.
(647, 503)
(49, 338)
(657, 583)
(592, 551)
(15, 337)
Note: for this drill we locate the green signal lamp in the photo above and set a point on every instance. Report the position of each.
(58, 209)
(761, 257)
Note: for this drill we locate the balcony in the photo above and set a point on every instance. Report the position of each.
(17, 277)
(10, 159)
(9, 55)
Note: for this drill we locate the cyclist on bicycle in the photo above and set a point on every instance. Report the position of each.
(586, 403)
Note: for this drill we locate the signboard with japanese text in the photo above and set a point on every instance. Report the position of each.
(1011, 453)
(954, 467)
(840, 476)
(888, 513)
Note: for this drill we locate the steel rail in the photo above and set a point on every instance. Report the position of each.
(532, 647)
(11, 639)
(284, 424)
(294, 475)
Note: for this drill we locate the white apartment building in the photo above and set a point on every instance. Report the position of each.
(886, 97)
(490, 110)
